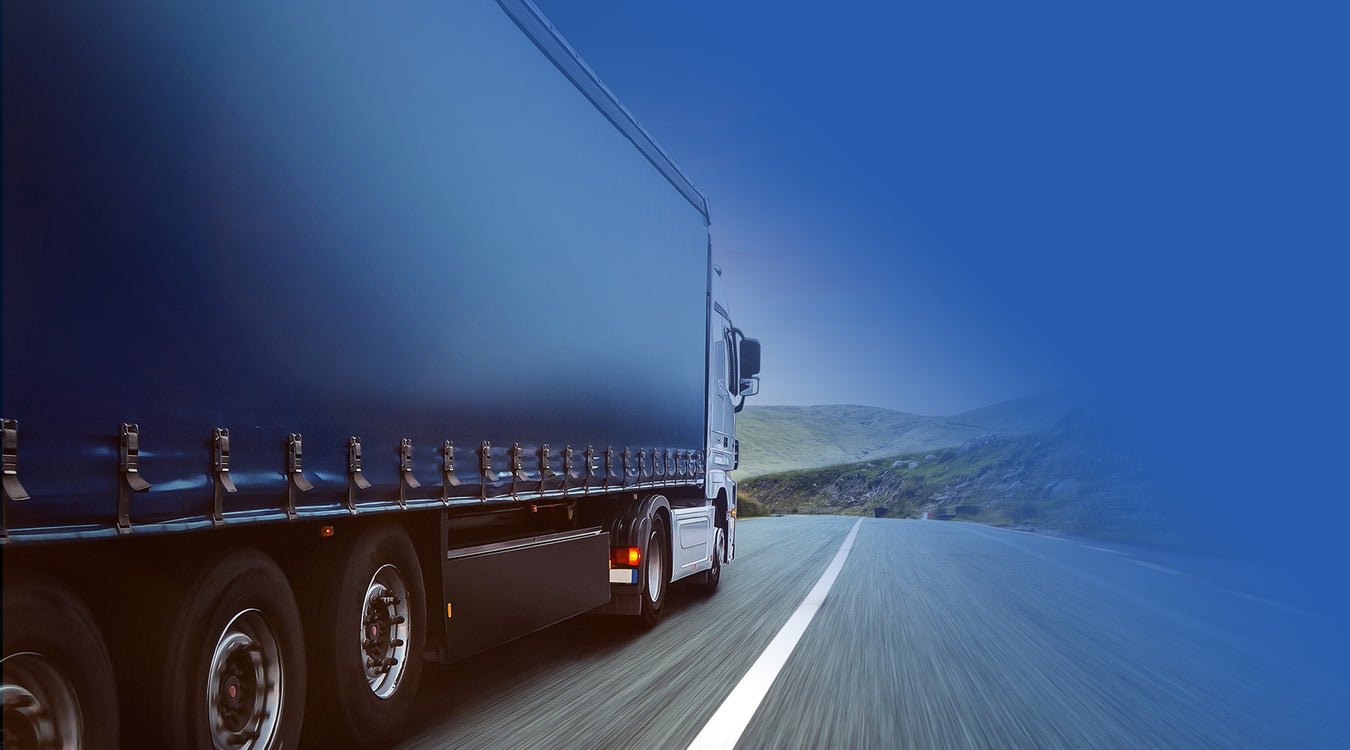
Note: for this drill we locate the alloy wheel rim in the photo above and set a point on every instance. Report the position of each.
(244, 684)
(655, 569)
(385, 623)
(41, 709)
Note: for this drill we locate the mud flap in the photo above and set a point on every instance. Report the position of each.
(497, 592)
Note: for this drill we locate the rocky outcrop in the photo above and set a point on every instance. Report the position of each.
(977, 443)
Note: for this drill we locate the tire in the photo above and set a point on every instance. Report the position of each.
(655, 580)
(58, 681)
(236, 663)
(373, 608)
(708, 586)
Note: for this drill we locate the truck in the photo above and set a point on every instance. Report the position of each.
(338, 338)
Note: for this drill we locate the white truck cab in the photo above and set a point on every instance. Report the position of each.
(733, 374)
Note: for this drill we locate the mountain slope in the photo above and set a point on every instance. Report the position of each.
(1070, 477)
(1020, 416)
(783, 438)
(777, 438)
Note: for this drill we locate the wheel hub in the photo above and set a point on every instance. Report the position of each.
(384, 631)
(244, 684)
(40, 707)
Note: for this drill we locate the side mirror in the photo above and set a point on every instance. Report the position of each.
(749, 386)
(749, 358)
(748, 383)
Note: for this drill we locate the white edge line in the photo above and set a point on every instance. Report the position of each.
(724, 729)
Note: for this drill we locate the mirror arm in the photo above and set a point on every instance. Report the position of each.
(735, 354)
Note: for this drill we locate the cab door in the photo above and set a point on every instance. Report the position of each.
(722, 445)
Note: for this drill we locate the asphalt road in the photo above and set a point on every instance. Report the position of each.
(934, 635)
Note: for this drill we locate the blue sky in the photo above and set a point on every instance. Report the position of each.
(936, 206)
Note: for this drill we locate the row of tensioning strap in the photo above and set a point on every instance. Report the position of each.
(597, 471)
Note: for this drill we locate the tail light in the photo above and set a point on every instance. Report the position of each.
(625, 557)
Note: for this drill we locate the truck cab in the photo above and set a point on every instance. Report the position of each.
(733, 374)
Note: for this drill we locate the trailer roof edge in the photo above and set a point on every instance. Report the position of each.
(532, 21)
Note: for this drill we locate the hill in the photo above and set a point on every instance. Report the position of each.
(1020, 416)
(1069, 477)
(783, 438)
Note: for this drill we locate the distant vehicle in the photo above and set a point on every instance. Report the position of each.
(333, 342)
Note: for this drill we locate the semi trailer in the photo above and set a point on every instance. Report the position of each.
(338, 337)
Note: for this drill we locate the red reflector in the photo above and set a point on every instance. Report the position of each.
(326, 531)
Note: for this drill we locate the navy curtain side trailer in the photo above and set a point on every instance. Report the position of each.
(335, 338)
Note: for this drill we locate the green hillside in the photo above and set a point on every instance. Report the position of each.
(1068, 477)
(1022, 415)
(782, 438)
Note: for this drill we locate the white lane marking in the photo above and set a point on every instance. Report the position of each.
(725, 727)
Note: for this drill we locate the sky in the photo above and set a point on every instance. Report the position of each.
(932, 207)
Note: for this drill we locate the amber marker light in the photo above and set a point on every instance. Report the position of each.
(629, 557)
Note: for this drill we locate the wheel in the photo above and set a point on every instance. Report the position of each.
(714, 574)
(655, 572)
(235, 673)
(58, 681)
(370, 634)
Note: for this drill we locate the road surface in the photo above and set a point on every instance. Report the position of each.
(934, 635)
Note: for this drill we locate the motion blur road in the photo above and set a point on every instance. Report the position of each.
(935, 635)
